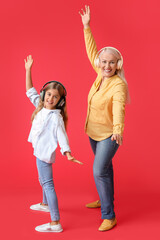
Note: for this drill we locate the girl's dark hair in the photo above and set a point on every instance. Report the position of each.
(63, 109)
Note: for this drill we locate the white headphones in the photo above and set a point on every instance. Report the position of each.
(119, 62)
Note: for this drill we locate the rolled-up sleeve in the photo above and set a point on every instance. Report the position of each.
(33, 96)
(62, 137)
(118, 108)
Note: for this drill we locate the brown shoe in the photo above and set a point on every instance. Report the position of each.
(96, 204)
(107, 224)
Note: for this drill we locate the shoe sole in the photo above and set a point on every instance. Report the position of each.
(49, 230)
(93, 207)
(41, 210)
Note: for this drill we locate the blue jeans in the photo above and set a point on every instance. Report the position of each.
(49, 194)
(103, 174)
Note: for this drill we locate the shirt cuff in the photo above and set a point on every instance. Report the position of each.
(118, 129)
(31, 91)
(87, 30)
(65, 149)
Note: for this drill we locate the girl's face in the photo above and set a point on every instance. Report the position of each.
(51, 98)
(108, 64)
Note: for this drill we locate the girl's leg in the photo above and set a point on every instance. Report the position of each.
(44, 201)
(103, 174)
(44, 198)
(46, 179)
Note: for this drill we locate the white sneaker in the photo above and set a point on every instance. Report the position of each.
(40, 207)
(49, 228)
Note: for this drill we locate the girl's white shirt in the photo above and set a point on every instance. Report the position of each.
(47, 131)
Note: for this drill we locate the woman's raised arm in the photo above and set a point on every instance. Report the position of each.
(90, 43)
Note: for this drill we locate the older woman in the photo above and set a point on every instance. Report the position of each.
(105, 118)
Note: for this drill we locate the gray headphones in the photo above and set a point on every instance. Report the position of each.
(62, 100)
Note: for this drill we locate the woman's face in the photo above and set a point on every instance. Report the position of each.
(51, 98)
(108, 64)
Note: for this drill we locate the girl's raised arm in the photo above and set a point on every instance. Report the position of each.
(28, 66)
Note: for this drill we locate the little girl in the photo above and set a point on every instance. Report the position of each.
(49, 121)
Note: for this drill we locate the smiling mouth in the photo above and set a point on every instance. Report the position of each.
(107, 70)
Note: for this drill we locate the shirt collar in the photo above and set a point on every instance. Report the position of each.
(52, 110)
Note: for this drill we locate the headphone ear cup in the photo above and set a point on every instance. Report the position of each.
(61, 102)
(96, 62)
(42, 94)
(119, 64)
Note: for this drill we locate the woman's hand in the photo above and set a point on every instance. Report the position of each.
(118, 138)
(85, 16)
(71, 158)
(28, 62)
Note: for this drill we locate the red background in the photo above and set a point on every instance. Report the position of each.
(53, 33)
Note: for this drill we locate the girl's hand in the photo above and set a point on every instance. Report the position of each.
(28, 62)
(85, 16)
(118, 138)
(71, 158)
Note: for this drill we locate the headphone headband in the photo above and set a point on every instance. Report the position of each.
(43, 88)
(110, 48)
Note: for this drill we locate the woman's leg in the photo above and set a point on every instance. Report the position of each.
(93, 145)
(46, 179)
(103, 174)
